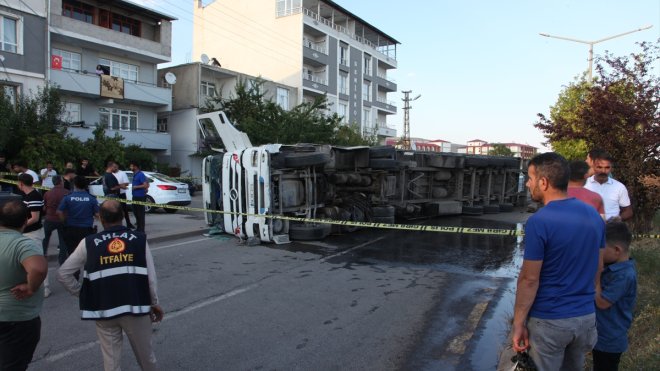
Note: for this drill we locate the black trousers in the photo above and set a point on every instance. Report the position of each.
(604, 361)
(138, 211)
(124, 207)
(18, 340)
(73, 236)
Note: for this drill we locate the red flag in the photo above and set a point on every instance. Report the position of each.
(56, 62)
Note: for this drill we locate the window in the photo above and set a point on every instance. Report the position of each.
(78, 10)
(70, 60)
(283, 98)
(287, 7)
(9, 34)
(367, 64)
(366, 90)
(342, 110)
(71, 112)
(118, 119)
(161, 125)
(343, 83)
(123, 70)
(343, 54)
(366, 121)
(125, 24)
(10, 93)
(207, 89)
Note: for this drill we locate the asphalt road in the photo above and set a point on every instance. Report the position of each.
(372, 300)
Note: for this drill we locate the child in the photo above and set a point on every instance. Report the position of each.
(615, 298)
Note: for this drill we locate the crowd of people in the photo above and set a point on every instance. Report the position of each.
(64, 205)
(575, 292)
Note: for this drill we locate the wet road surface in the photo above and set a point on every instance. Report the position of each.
(369, 300)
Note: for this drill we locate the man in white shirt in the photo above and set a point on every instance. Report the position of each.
(47, 175)
(614, 193)
(122, 178)
(20, 167)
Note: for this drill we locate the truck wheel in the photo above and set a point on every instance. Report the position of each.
(506, 207)
(306, 159)
(473, 210)
(308, 231)
(383, 219)
(382, 164)
(491, 209)
(380, 211)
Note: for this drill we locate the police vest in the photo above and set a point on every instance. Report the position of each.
(115, 280)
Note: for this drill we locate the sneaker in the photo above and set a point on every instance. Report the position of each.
(46, 292)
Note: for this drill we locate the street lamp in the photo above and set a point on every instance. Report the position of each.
(591, 43)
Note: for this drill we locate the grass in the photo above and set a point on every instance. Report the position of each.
(644, 336)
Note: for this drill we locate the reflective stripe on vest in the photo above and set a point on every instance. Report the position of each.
(130, 269)
(124, 309)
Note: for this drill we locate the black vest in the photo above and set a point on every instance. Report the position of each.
(115, 280)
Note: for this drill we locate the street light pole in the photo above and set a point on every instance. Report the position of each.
(406, 118)
(592, 43)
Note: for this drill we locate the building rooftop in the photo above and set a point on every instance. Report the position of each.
(368, 25)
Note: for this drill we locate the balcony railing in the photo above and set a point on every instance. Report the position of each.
(384, 76)
(315, 78)
(385, 101)
(318, 46)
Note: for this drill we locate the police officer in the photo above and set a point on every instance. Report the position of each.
(125, 300)
(78, 210)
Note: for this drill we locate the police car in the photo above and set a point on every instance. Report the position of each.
(162, 190)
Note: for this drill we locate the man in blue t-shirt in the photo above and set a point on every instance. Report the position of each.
(139, 187)
(554, 314)
(615, 298)
(77, 210)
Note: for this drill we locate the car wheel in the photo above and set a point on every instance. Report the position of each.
(147, 208)
(308, 231)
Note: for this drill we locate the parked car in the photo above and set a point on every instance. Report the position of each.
(162, 190)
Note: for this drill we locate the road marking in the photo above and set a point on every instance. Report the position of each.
(57, 356)
(457, 345)
(351, 249)
(179, 244)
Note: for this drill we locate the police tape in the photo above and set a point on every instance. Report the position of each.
(349, 223)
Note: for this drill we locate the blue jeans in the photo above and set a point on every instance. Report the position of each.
(560, 344)
(49, 227)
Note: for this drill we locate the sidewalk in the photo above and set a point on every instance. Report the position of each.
(159, 227)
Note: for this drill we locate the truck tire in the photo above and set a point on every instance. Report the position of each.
(380, 211)
(473, 210)
(506, 207)
(306, 159)
(308, 231)
(491, 209)
(383, 219)
(382, 164)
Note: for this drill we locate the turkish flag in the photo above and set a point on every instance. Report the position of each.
(56, 62)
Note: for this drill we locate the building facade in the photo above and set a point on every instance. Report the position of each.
(193, 85)
(481, 147)
(315, 46)
(23, 50)
(103, 58)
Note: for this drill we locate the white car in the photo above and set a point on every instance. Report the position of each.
(162, 190)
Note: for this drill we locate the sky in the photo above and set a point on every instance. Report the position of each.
(481, 67)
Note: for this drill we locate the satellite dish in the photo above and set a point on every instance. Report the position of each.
(205, 59)
(170, 78)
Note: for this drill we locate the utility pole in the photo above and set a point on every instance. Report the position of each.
(592, 43)
(406, 117)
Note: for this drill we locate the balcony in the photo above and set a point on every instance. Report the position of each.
(385, 83)
(146, 138)
(383, 130)
(88, 85)
(385, 105)
(314, 45)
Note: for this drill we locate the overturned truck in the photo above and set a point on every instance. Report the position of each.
(254, 187)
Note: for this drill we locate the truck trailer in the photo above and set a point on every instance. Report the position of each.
(264, 193)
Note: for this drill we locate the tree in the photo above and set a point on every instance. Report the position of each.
(499, 149)
(619, 112)
(266, 122)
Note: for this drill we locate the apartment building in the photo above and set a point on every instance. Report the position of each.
(193, 84)
(103, 58)
(315, 46)
(481, 147)
(23, 55)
